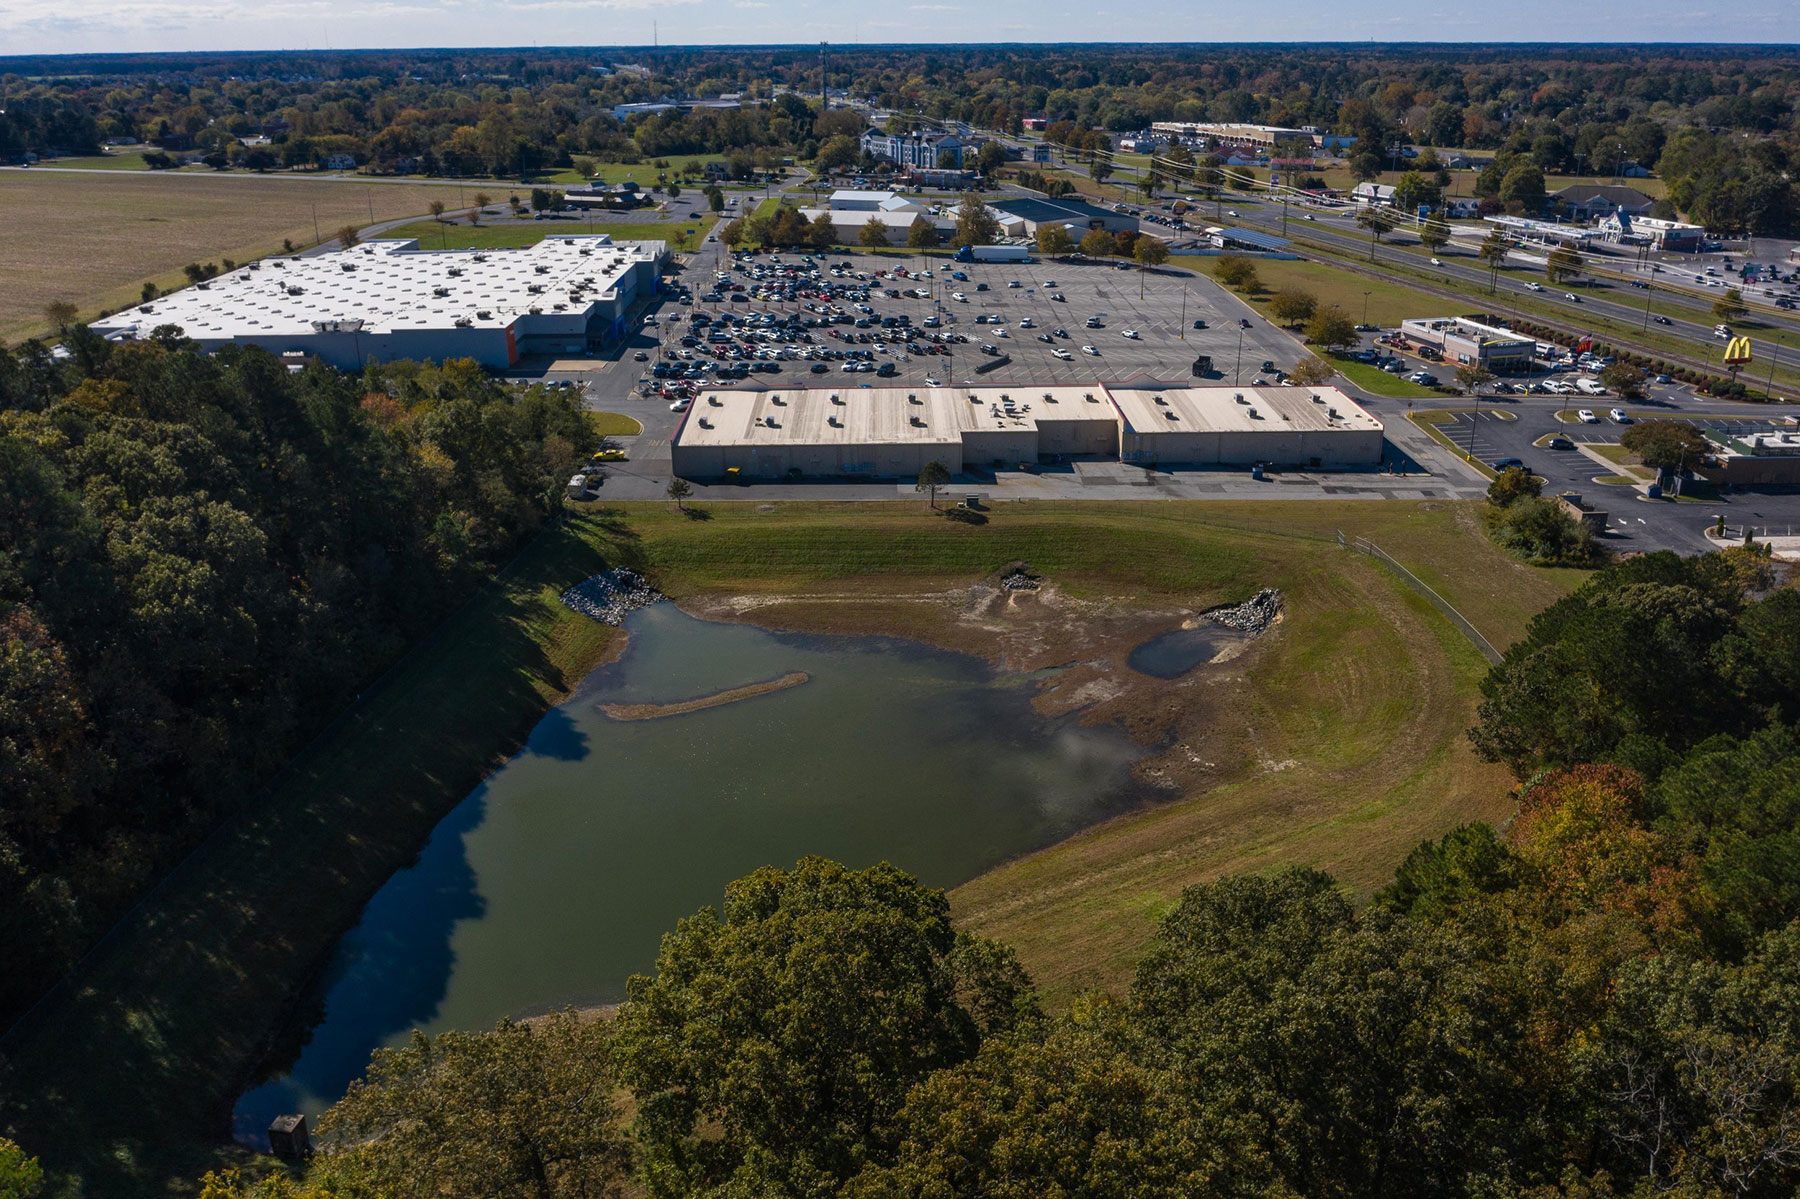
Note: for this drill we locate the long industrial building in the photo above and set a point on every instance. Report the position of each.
(390, 299)
(775, 432)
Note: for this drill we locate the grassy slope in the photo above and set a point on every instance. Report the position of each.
(1364, 689)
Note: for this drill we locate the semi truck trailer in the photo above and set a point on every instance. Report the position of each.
(994, 254)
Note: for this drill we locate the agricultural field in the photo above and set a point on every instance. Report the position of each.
(94, 238)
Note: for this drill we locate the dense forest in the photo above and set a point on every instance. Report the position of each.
(1600, 999)
(201, 560)
(1717, 123)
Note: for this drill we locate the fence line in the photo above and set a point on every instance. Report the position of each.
(1363, 545)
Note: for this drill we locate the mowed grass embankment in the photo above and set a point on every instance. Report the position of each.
(1355, 709)
(94, 238)
(460, 235)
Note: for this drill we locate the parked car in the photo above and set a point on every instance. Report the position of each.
(1505, 464)
(1090, 350)
(1586, 416)
(1619, 416)
(1061, 353)
(1131, 333)
(1559, 442)
(1199, 324)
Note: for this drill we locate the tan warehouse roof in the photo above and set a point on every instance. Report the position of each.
(1238, 409)
(880, 415)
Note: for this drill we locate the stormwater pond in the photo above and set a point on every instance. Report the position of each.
(553, 881)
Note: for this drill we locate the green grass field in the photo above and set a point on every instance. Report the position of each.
(1373, 378)
(437, 235)
(642, 173)
(614, 424)
(1353, 718)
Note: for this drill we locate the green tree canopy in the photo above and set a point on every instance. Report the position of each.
(790, 1027)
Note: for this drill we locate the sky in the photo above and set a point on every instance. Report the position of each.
(84, 26)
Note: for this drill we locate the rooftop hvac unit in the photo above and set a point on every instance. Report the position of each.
(534, 310)
(714, 401)
(1172, 415)
(705, 424)
(834, 398)
(455, 271)
(1159, 400)
(440, 291)
(1089, 397)
(1331, 413)
(1254, 414)
(295, 291)
(484, 314)
(542, 270)
(833, 421)
(1239, 397)
(1048, 398)
(777, 400)
(919, 421)
(481, 258)
(770, 422)
(1317, 398)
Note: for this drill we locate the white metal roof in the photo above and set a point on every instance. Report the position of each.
(394, 286)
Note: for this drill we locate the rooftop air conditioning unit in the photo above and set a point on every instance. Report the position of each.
(1317, 398)
(484, 314)
(1239, 397)
(1172, 415)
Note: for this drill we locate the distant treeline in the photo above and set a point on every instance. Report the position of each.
(1717, 122)
(202, 559)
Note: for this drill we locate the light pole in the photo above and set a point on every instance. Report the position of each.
(1366, 296)
(1237, 369)
(1181, 333)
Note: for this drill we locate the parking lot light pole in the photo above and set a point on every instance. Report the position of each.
(1366, 296)
(1237, 370)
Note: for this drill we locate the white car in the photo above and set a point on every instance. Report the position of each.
(1435, 262)
(1586, 416)
(1061, 353)
(680, 405)
(933, 381)
(1534, 287)
(1131, 333)
(1026, 322)
(959, 297)
(1619, 417)
(1571, 297)
(1001, 333)
(1090, 350)
(1231, 212)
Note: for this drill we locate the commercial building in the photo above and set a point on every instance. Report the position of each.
(777, 432)
(1464, 342)
(390, 299)
(1078, 216)
(1658, 234)
(1268, 136)
(922, 149)
(1755, 460)
(851, 210)
(1373, 194)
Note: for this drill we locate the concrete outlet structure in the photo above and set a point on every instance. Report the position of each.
(390, 299)
(894, 431)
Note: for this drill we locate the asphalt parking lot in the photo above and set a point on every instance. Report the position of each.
(1635, 521)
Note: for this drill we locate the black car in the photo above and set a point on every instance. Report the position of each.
(1199, 324)
(640, 356)
(1268, 367)
(1662, 320)
(1506, 464)
(819, 368)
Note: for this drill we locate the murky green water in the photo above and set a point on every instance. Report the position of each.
(553, 881)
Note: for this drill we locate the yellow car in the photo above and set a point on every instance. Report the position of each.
(610, 456)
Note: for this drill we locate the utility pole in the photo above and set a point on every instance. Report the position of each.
(824, 80)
